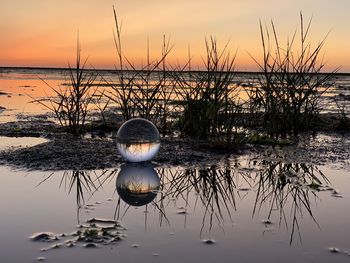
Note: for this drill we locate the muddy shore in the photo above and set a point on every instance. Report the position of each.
(62, 152)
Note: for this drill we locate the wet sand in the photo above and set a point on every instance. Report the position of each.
(61, 151)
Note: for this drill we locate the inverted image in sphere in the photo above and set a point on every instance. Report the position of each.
(138, 140)
(137, 184)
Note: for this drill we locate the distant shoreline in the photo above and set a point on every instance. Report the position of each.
(130, 70)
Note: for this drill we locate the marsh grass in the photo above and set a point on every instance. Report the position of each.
(206, 105)
(102, 103)
(344, 120)
(71, 103)
(145, 92)
(292, 82)
(210, 98)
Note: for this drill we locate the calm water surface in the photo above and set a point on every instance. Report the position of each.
(254, 211)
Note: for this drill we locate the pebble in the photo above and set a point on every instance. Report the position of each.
(70, 245)
(333, 249)
(56, 246)
(43, 237)
(209, 241)
(91, 245)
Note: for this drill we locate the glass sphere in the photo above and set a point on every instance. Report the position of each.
(137, 184)
(138, 140)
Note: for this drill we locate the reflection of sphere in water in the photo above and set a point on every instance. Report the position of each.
(137, 184)
(138, 140)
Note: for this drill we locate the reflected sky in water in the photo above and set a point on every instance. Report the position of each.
(265, 211)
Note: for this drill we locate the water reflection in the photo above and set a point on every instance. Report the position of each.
(82, 183)
(281, 193)
(137, 184)
(214, 188)
(288, 191)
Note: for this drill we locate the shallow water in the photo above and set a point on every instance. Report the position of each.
(19, 87)
(7, 143)
(252, 210)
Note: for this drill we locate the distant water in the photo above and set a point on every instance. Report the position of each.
(19, 86)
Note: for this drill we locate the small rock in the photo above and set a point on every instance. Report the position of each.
(91, 245)
(70, 245)
(333, 249)
(41, 258)
(43, 237)
(56, 246)
(209, 241)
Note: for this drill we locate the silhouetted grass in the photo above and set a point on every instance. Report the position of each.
(344, 120)
(289, 92)
(144, 92)
(205, 105)
(72, 102)
(210, 101)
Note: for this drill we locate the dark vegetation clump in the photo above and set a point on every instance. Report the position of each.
(291, 84)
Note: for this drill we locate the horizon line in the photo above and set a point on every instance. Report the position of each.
(113, 69)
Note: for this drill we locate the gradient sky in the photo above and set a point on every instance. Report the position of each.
(43, 32)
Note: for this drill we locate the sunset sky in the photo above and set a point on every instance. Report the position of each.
(43, 33)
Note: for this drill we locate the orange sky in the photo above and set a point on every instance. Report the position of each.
(43, 33)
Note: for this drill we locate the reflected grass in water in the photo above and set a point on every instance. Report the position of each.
(279, 184)
(285, 192)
